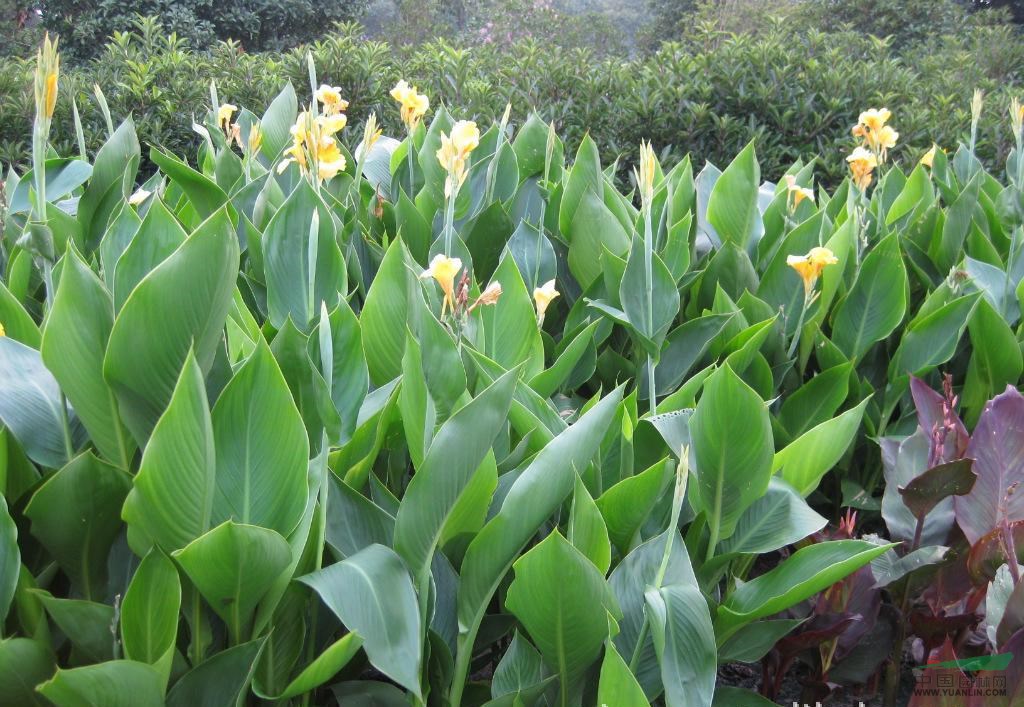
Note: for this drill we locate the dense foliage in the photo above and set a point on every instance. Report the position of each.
(447, 417)
(257, 25)
(708, 95)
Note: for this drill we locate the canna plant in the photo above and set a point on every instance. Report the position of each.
(446, 420)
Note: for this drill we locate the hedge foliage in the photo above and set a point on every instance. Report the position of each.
(797, 91)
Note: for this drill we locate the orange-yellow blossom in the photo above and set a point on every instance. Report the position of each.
(413, 105)
(797, 193)
(444, 269)
(542, 297)
(454, 152)
(809, 266)
(862, 164)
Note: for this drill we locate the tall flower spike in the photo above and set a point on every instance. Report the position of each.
(371, 133)
(444, 269)
(1016, 117)
(645, 176)
(47, 73)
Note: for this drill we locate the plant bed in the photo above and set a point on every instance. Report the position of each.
(445, 418)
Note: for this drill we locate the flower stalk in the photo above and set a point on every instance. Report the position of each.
(645, 183)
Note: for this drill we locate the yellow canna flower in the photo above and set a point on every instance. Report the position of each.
(872, 128)
(489, 296)
(330, 97)
(809, 266)
(224, 114)
(1016, 116)
(797, 193)
(862, 164)
(645, 176)
(883, 140)
(444, 269)
(465, 136)
(413, 105)
(316, 137)
(329, 160)
(3, 332)
(139, 196)
(929, 156)
(874, 118)
(455, 149)
(542, 297)
(332, 124)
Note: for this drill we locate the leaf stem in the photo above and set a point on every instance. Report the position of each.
(682, 475)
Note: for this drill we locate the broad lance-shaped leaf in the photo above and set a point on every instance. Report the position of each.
(85, 623)
(181, 306)
(732, 440)
(521, 667)
(587, 531)
(73, 343)
(349, 375)
(233, 566)
(116, 683)
(510, 332)
(455, 454)
(10, 559)
(324, 667)
(219, 680)
(372, 593)
(203, 193)
(564, 603)
(172, 500)
(262, 449)
(303, 267)
(24, 663)
(903, 461)
(925, 492)
(531, 500)
(732, 207)
(113, 178)
(76, 516)
(876, 303)
(997, 446)
(149, 613)
(806, 572)
(650, 317)
(781, 517)
(617, 685)
(684, 639)
(629, 581)
(385, 314)
(30, 406)
(806, 460)
(157, 237)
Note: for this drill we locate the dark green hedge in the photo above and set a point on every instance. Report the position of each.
(796, 92)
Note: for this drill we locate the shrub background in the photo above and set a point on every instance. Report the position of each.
(724, 81)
